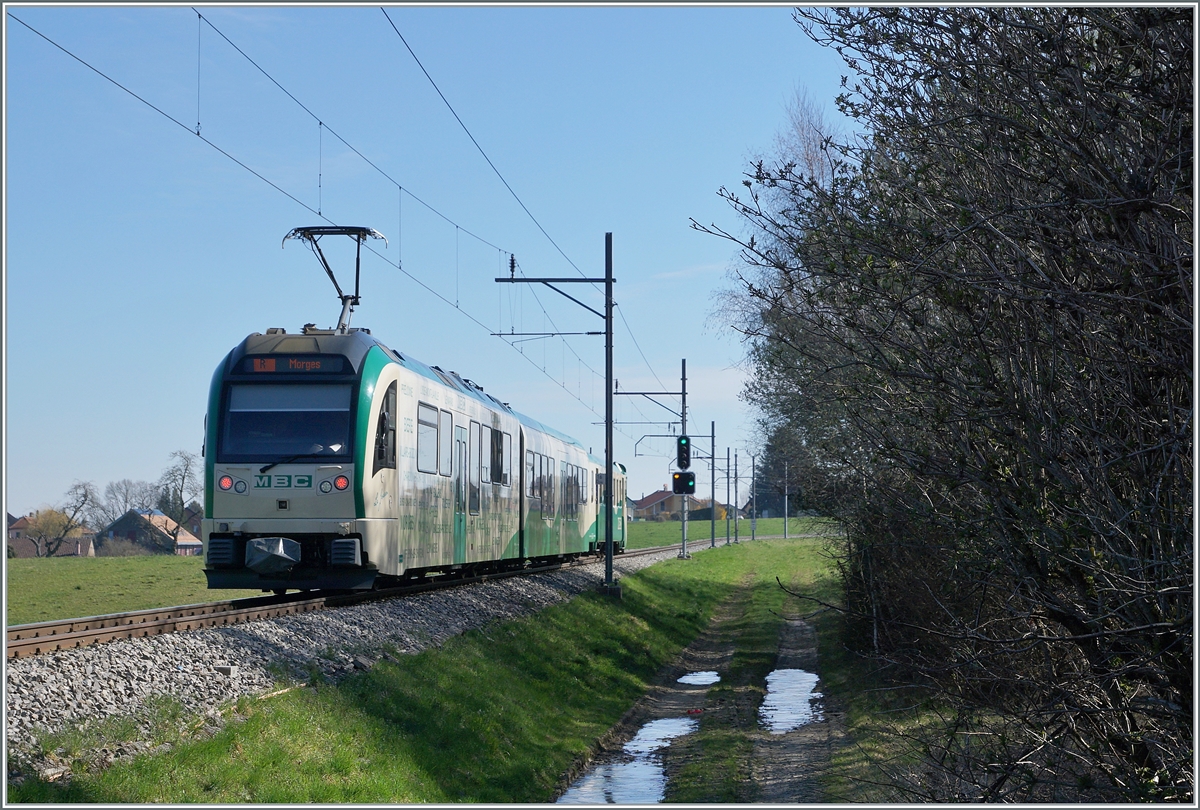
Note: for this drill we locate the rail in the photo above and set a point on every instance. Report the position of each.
(45, 637)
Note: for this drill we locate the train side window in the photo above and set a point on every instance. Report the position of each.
(427, 438)
(473, 469)
(530, 473)
(583, 485)
(485, 454)
(497, 459)
(385, 433)
(570, 489)
(548, 500)
(446, 444)
(506, 459)
(564, 474)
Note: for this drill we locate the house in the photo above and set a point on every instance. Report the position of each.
(78, 543)
(664, 503)
(17, 527)
(188, 545)
(151, 530)
(192, 516)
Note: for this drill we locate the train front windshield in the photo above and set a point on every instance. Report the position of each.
(274, 422)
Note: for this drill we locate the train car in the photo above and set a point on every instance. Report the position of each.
(334, 462)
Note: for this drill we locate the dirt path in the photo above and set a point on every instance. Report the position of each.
(787, 768)
(784, 768)
(666, 696)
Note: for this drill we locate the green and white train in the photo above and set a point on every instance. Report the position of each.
(335, 462)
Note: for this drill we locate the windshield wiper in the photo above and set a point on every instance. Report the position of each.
(283, 461)
(312, 451)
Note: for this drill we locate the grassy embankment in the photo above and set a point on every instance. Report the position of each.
(492, 716)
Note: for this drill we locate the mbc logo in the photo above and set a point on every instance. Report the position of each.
(283, 482)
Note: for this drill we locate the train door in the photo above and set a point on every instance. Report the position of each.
(460, 495)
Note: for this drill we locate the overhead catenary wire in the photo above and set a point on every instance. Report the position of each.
(525, 208)
(345, 143)
(472, 137)
(404, 190)
(458, 228)
(166, 115)
(293, 198)
(199, 31)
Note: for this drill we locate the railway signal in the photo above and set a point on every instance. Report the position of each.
(683, 452)
(683, 483)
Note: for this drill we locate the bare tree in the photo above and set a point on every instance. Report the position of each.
(119, 498)
(982, 314)
(178, 486)
(51, 527)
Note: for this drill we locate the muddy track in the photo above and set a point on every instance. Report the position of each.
(788, 768)
(666, 696)
(783, 768)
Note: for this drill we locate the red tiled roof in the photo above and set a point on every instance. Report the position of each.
(652, 499)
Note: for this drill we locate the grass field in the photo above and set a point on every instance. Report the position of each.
(492, 716)
(40, 590)
(645, 534)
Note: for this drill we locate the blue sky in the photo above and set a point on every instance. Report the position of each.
(137, 255)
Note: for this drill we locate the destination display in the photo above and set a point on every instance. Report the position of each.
(295, 364)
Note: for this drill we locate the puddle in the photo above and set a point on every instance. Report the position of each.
(639, 778)
(706, 678)
(790, 700)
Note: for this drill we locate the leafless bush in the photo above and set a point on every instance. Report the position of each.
(978, 323)
(122, 547)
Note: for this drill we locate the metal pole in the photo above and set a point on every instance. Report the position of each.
(785, 499)
(608, 412)
(737, 510)
(712, 529)
(753, 498)
(729, 483)
(683, 555)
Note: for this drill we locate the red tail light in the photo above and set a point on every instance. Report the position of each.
(225, 482)
(341, 482)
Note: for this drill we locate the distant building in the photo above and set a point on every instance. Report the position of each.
(150, 529)
(78, 543)
(664, 503)
(192, 517)
(17, 527)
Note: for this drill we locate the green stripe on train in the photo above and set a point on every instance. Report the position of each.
(373, 365)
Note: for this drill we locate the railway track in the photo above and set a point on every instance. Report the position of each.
(44, 637)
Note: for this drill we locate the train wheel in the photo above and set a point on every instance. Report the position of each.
(279, 591)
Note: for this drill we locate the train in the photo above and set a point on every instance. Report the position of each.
(334, 462)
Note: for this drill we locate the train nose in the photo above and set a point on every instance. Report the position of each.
(272, 555)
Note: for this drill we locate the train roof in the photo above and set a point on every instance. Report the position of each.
(354, 345)
(530, 422)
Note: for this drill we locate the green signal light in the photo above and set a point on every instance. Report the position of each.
(683, 452)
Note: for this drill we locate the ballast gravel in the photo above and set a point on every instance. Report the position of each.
(206, 669)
